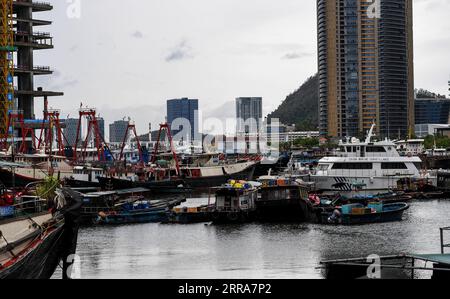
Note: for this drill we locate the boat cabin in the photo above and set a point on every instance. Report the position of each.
(232, 199)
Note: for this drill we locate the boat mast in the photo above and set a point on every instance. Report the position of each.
(370, 133)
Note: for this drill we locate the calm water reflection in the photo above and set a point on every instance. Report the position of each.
(252, 250)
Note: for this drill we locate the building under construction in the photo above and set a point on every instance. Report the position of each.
(19, 38)
(27, 39)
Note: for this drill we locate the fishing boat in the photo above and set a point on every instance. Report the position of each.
(106, 202)
(367, 167)
(33, 240)
(164, 186)
(135, 207)
(85, 176)
(169, 172)
(354, 214)
(29, 168)
(235, 202)
(139, 211)
(162, 178)
(190, 215)
(283, 199)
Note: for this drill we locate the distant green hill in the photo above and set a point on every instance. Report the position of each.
(301, 107)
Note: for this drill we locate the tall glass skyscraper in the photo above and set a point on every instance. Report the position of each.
(186, 109)
(365, 57)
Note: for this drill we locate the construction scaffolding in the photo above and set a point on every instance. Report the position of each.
(6, 64)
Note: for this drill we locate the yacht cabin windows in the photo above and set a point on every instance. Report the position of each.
(323, 167)
(352, 166)
(391, 165)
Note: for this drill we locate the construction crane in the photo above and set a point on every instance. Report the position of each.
(6, 64)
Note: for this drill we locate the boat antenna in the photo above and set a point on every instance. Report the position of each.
(370, 133)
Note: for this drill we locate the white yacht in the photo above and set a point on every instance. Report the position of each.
(370, 167)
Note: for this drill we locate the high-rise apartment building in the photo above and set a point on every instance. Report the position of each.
(183, 110)
(117, 131)
(70, 132)
(365, 57)
(249, 115)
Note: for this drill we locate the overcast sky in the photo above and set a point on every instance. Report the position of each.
(128, 57)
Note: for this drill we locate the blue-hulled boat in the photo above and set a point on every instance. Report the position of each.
(359, 214)
(134, 212)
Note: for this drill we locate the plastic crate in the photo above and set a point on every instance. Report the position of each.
(348, 209)
(6, 211)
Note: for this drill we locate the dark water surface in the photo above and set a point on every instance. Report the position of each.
(251, 250)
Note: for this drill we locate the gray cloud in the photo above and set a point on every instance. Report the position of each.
(296, 55)
(137, 34)
(180, 52)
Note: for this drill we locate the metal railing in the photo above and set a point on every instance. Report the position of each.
(443, 245)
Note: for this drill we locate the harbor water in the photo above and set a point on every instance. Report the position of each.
(250, 250)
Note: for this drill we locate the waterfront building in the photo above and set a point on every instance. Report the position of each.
(365, 60)
(424, 130)
(70, 132)
(432, 111)
(117, 131)
(186, 109)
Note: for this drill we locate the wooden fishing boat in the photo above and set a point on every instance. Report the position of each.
(141, 212)
(166, 186)
(283, 200)
(235, 203)
(354, 214)
(32, 244)
(137, 210)
(189, 215)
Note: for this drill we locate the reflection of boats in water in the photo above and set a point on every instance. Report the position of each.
(368, 167)
(34, 240)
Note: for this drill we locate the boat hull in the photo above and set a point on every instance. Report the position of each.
(213, 181)
(31, 266)
(41, 256)
(74, 183)
(6, 177)
(150, 216)
(161, 187)
(391, 213)
(343, 185)
(283, 210)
